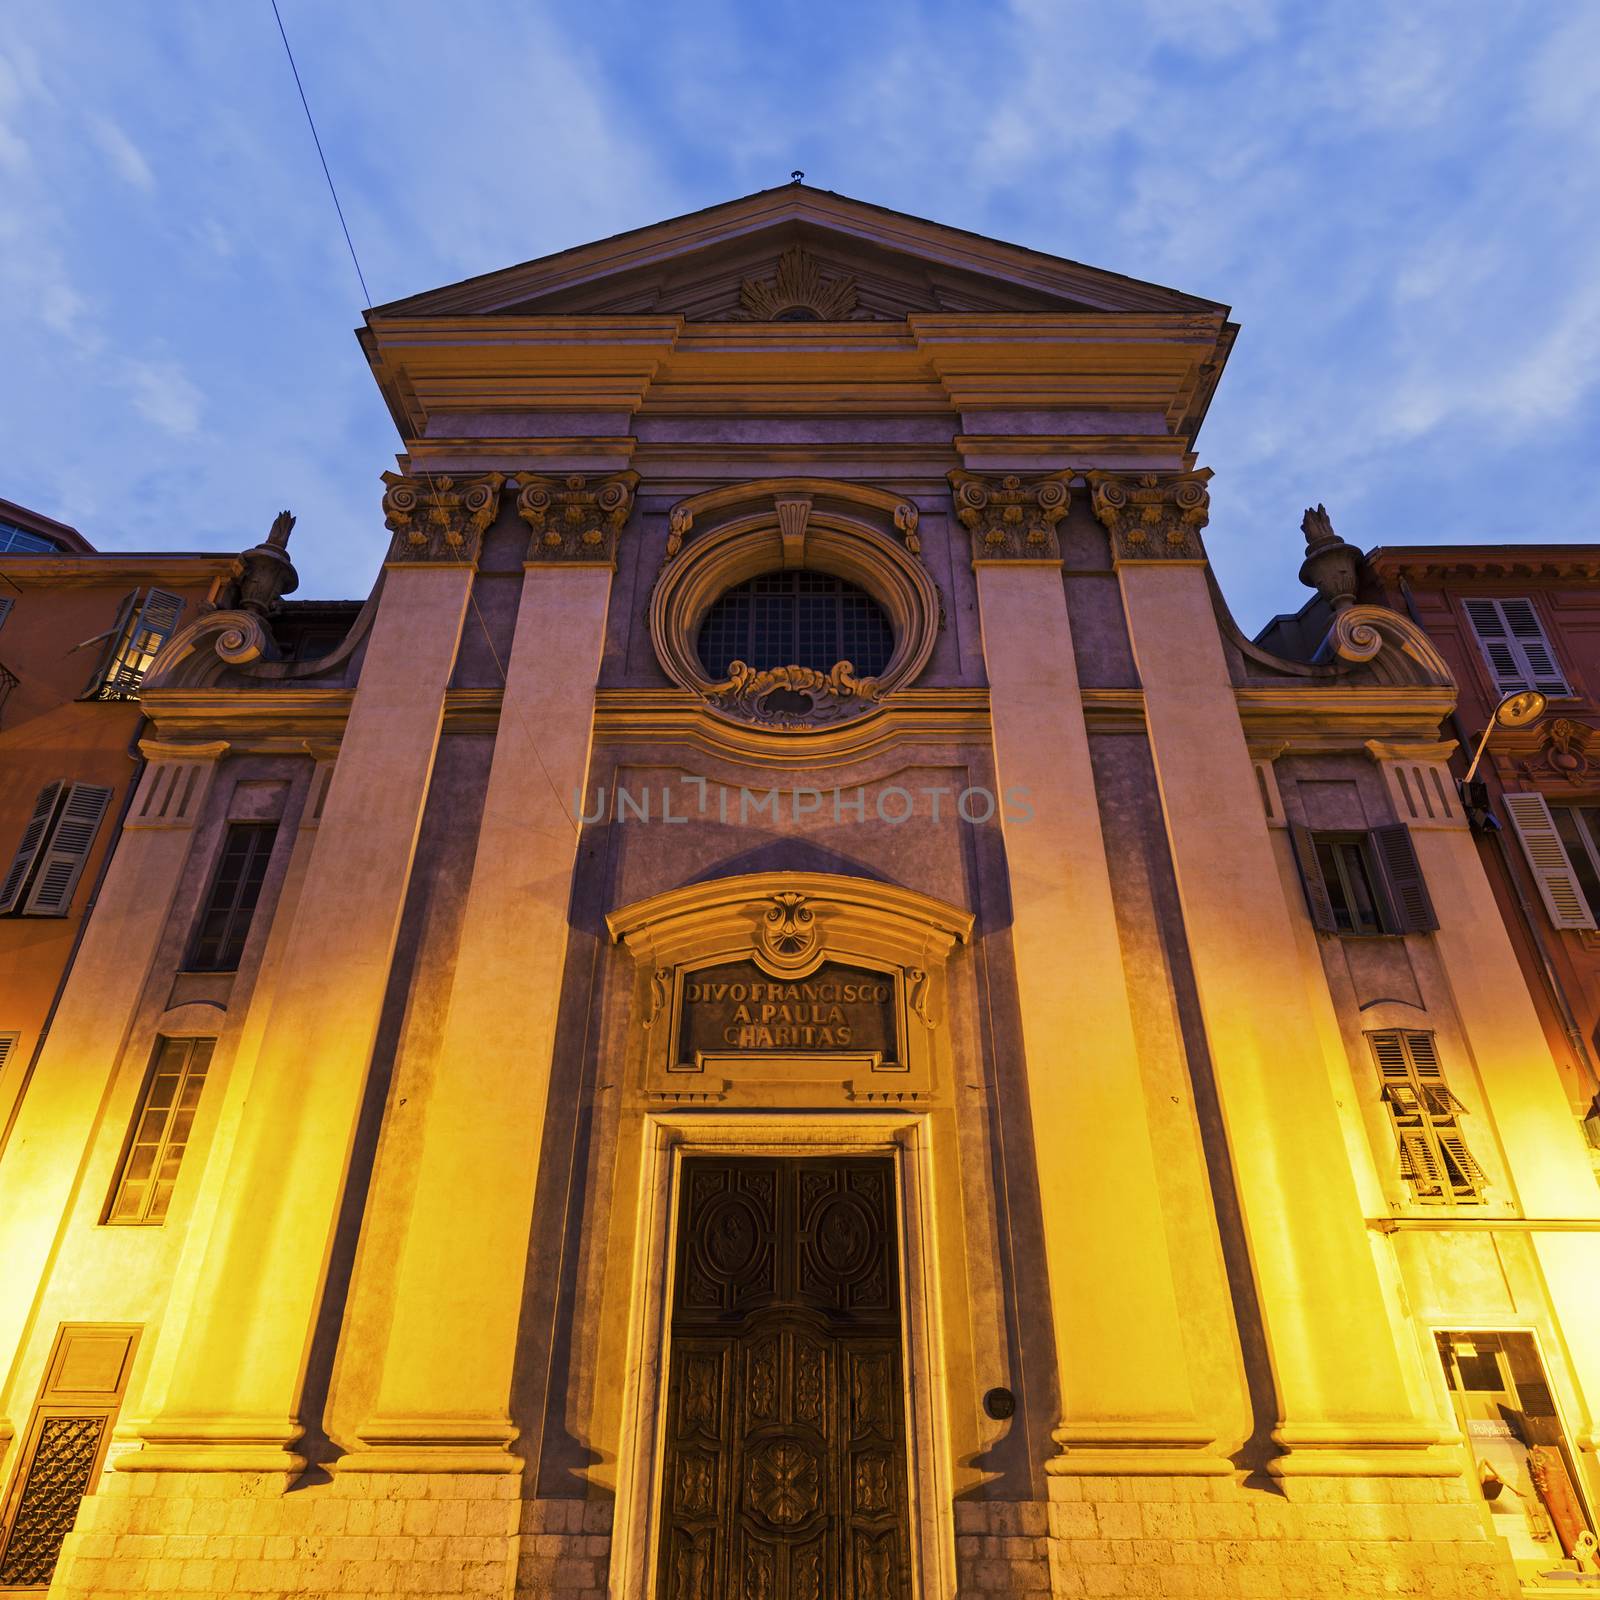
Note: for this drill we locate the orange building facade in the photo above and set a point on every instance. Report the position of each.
(792, 1011)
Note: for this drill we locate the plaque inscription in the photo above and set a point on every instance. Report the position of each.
(736, 1007)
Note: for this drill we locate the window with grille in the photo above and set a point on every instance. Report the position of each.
(1434, 1159)
(236, 886)
(54, 849)
(1363, 883)
(1514, 644)
(148, 618)
(796, 619)
(161, 1131)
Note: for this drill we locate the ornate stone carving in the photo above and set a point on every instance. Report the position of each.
(798, 293)
(268, 572)
(575, 518)
(1332, 566)
(1562, 756)
(1394, 650)
(1009, 517)
(792, 697)
(1152, 516)
(195, 656)
(439, 519)
(679, 522)
(906, 517)
(787, 935)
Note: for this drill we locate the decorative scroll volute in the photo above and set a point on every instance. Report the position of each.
(437, 519)
(575, 519)
(1009, 517)
(1152, 516)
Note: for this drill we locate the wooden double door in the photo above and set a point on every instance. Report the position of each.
(785, 1473)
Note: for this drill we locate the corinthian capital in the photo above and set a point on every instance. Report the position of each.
(575, 519)
(1011, 518)
(1152, 516)
(438, 520)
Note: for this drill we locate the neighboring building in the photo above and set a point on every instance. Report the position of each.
(78, 628)
(795, 1012)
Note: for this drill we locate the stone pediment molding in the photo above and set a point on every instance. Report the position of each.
(1383, 647)
(1011, 518)
(196, 656)
(789, 923)
(574, 520)
(703, 508)
(1152, 516)
(438, 519)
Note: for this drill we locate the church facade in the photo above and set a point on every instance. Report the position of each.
(795, 1012)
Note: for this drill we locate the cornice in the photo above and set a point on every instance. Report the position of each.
(1345, 716)
(170, 569)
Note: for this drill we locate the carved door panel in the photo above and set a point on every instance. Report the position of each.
(785, 1472)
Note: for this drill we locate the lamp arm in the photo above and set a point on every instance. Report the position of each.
(1483, 744)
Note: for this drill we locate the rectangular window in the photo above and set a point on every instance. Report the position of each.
(1514, 644)
(1520, 1454)
(54, 849)
(1434, 1159)
(1561, 845)
(225, 921)
(161, 1131)
(1363, 883)
(148, 618)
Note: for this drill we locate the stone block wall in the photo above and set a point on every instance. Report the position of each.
(566, 1550)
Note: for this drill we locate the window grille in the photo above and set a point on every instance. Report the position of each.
(1363, 883)
(148, 618)
(230, 905)
(161, 1131)
(54, 850)
(796, 619)
(1434, 1159)
(1514, 644)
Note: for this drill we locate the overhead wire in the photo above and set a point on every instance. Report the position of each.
(355, 261)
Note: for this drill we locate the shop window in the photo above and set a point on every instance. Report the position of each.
(1520, 1454)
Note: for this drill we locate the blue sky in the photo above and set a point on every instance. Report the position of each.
(1400, 201)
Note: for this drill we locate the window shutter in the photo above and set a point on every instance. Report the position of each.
(1402, 872)
(1495, 641)
(1547, 860)
(1317, 901)
(32, 837)
(64, 856)
(1434, 1158)
(8, 1043)
(1528, 638)
(6, 603)
(156, 622)
(116, 645)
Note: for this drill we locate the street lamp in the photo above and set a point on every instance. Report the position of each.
(1516, 710)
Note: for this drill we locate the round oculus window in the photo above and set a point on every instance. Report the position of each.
(796, 619)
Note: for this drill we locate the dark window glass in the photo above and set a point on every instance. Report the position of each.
(161, 1131)
(1577, 826)
(796, 619)
(219, 939)
(1348, 874)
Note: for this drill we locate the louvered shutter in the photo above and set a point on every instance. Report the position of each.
(156, 622)
(62, 861)
(1316, 888)
(1514, 644)
(116, 645)
(32, 838)
(1434, 1157)
(6, 602)
(8, 1043)
(1528, 638)
(1402, 872)
(1547, 861)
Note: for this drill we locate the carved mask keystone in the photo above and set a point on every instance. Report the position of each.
(575, 519)
(437, 519)
(1152, 516)
(1009, 517)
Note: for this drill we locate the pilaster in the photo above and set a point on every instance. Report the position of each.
(1343, 1406)
(1127, 1403)
(234, 1397)
(444, 1388)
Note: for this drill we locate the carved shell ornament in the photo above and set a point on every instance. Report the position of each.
(798, 292)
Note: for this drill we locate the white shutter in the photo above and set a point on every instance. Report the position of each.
(63, 858)
(1547, 860)
(1514, 644)
(32, 837)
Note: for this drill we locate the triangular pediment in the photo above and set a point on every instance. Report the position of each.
(799, 254)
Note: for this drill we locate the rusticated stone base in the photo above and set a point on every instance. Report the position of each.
(1215, 1539)
(566, 1550)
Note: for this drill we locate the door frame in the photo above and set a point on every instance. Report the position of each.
(668, 1138)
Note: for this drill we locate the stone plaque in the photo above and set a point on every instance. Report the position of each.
(736, 1008)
